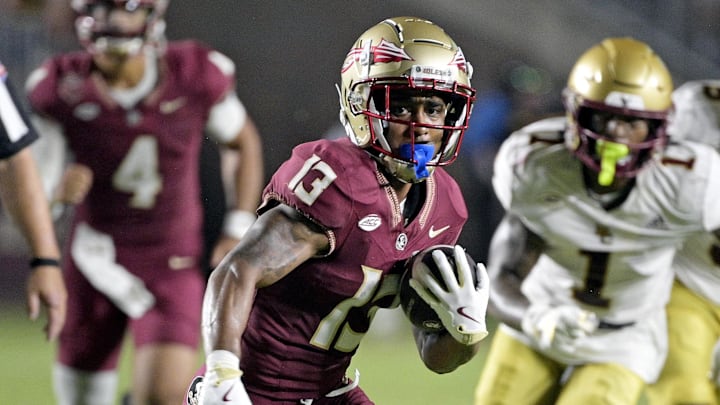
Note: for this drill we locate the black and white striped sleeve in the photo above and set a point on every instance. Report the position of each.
(15, 132)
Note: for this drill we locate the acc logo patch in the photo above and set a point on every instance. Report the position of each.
(370, 223)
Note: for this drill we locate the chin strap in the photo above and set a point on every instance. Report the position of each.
(421, 154)
(610, 153)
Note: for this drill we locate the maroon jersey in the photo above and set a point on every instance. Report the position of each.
(304, 329)
(144, 159)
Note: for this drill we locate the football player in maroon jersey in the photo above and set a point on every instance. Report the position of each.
(290, 304)
(132, 109)
(23, 197)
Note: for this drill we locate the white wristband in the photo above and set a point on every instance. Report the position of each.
(237, 222)
(222, 359)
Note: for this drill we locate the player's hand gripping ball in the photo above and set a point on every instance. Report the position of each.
(442, 288)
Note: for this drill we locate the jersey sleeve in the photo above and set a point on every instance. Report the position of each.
(503, 169)
(210, 73)
(51, 91)
(514, 152)
(695, 115)
(15, 133)
(227, 118)
(314, 182)
(695, 119)
(711, 213)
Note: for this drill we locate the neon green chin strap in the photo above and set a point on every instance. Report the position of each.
(610, 153)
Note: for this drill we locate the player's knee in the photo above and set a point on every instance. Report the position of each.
(602, 384)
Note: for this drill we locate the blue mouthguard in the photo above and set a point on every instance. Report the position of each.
(421, 154)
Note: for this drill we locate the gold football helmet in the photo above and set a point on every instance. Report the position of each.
(619, 76)
(401, 54)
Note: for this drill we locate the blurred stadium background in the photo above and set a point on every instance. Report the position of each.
(288, 55)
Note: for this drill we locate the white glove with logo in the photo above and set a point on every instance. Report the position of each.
(558, 327)
(221, 383)
(462, 306)
(715, 365)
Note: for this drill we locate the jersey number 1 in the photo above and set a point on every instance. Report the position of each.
(590, 293)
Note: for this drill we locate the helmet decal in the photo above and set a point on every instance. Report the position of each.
(385, 52)
(461, 63)
(625, 100)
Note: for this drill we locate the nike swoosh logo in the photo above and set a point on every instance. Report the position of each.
(226, 397)
(435, 232)
(462, 312)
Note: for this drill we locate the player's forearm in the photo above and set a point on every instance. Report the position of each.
(23, 196)
(249, 172)
(514, 252)
(507, 304)
(226, 308)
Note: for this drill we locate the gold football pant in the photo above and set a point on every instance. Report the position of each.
(694, 327)
(515, 374)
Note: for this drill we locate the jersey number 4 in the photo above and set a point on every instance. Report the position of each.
(138, 173)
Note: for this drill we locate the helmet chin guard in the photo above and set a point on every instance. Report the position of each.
(405, 54)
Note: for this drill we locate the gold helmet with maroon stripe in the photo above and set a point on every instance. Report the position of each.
(401, 54)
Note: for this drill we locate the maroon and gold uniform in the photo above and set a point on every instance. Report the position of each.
(305, 328)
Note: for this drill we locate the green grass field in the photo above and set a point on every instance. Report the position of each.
(391, 371)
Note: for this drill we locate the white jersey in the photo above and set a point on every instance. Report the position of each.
(697, 110)
(616, 262)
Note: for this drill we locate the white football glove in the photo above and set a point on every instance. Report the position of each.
(558, 327)
(221, 383)
(715, 365)
(462, 306)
